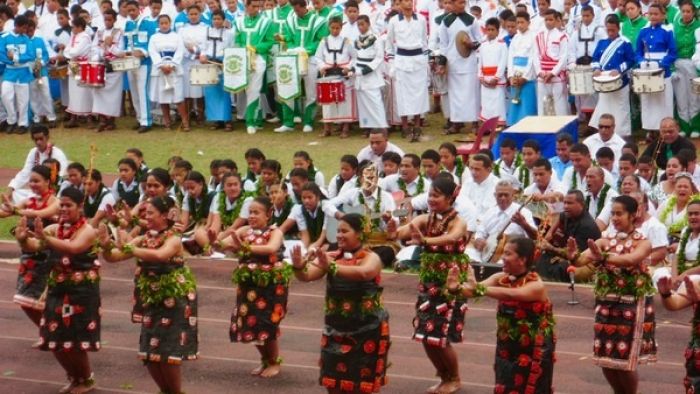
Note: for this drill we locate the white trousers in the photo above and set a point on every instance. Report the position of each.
(558, 90)
(465, 99)
(15, 98)
(41, 102)
(138, 87)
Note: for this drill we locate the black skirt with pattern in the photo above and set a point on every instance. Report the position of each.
(33, 271)
(692, 356)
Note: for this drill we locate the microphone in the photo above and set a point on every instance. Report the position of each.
(571, 270)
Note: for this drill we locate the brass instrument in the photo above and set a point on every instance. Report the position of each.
(654, 166)
(516, 99)
(549, 105)
(38, 63)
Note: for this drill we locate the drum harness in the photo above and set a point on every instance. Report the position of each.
(335, 69)
(586, 59)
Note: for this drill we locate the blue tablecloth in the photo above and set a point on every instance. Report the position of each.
(543, 129)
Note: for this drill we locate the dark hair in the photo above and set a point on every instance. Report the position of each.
(631, 146)
(218, 13)
(78, 167)
(78, 22)
(136, 152)
(445, 186)
(21, 20)
(301, 3)
(629, 203)
(352, 4)
(214, 164)
(628, 157)
(565, 137)
(485, 160)
(431, 154)
(577, 194)
(302, 154)
(30, 22)
(644, 159)
(415, 160)
(636, 180)
(509, 143)
(364, 18)
(683, 160)
(506, 14)
(299, 173)
(264, 201)
(450, 147)
(38, 128)
(254, 153)
(613, 19)
(183, 164)
(95, 175)
(580, 148)
(161, 176)
(350, 160)
(587, 8)
(605, 153)
(688, 154)
(532, 144)
(659, 7)
(543, 163)
(62, 11)
(229, 164)
(313, 188)
(487, 152)
(163, 16)
(129, 162)
(162, 204)
(524, 247)
(194, 6)
(355, 221)
(110, 12)
(196, 176)
(493, 21)
(272, 165)
(392, 157)
(74, 194)
(523, 14)
(43, 171)
(231, 175)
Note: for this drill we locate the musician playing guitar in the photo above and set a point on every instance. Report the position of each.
(506, 214)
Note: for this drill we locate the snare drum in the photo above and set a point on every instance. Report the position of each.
(605, 83)
(92, 74)
(581, 81)
(204, 74)
(648, 80)
(330, 90)
(58, 72)
(696, 85)
(125, 63)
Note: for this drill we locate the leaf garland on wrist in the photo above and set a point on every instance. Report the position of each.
(228, 217)
(420, 188)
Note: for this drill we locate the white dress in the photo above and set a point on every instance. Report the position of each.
(78, 50)
(166, 48)
(192, 35)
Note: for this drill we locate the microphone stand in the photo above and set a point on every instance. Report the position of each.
(571, 271)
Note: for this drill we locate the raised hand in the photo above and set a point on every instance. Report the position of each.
(22, 231)
(416, 235)
(39, 229)
(297, 261)
(594, 250)
(665, 285)
(103, 235)
(322, 261)
(571, 248)
(452, 281)
(690, 290)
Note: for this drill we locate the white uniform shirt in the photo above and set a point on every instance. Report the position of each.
(593, 205)
(407, 34)
(594, 143)
(653, 231)
(214, 207)
(571, 174)
(495, 219)
(350, 31)
(194, 35)
(391, 184)
(455, 62)
(170, 42)
(350, 200)
(365, 48)
(298, 216)
(480, 194)
(493, 53)
(367, 153)
(521, 55)
(586, 37)
(21, 179)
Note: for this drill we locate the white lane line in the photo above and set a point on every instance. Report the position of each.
(98, 387)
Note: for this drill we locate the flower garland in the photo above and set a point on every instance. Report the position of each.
(259, 189)
(376, 222)
(312, 173)
(574, 180)
(675, 227)
(262, 275)
(419, 189)
(73, 278)
(33, 203)
(435, 266)
(278, 220)
(634, 281)
(497, 167)
(524, 176)
(155, 289)
(681, 259)
(601, 200)
(67, 232)
(228, 217)
(459, 167)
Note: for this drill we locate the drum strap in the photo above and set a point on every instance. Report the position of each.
(587, 40)
(335, 52)
(215, 39)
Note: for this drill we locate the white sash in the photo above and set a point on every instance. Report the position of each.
(610, 51)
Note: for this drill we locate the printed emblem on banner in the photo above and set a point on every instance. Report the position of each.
(285, 74)
(233, 64)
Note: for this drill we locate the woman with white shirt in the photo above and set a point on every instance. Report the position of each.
(663, 190)
(77, 51)
(688, 248)
(672, 213)
(166, 50)
(194, 37)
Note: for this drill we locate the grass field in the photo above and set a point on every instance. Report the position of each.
(200, 146)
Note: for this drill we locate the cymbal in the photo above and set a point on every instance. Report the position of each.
(463, 44)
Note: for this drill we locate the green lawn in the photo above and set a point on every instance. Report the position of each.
(200, 146)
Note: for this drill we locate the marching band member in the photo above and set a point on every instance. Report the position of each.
(687, 103)
(521, 72)
(615, 56)
(40, 100)
(493, 58)
(256, 33)
(303, 31)
(278, 16)
(18, 57)
(80, 103)
(368, 62)
(333, 57)
(550, 65)
(60, 39)
(463, 87)
(407, 44)
(108, 45)
(137, 32)
(656, 49)
(583, 42)
(166, 50)
(217, 101)
(194, 37)
(350, 28)
(576, 18)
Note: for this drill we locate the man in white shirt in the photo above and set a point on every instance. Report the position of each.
(598, 194)
(17, 190)
(480, 188)
(506, 217)
(378, 144)
(409, 179)
(575, 176)
(605, 136)
(627, 165)
(545, 187)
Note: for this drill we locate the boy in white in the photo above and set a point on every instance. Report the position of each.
(368, 61)
(108, 45)
(333, 59)
(350, 28)
(493, 58)
(553, 55)
(582, 44)
(194, 36)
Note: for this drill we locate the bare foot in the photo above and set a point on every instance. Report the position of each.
(271, 371)
(69, 387)
(258, 370)
(84, 387)
(449, 387)
(434, 388)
